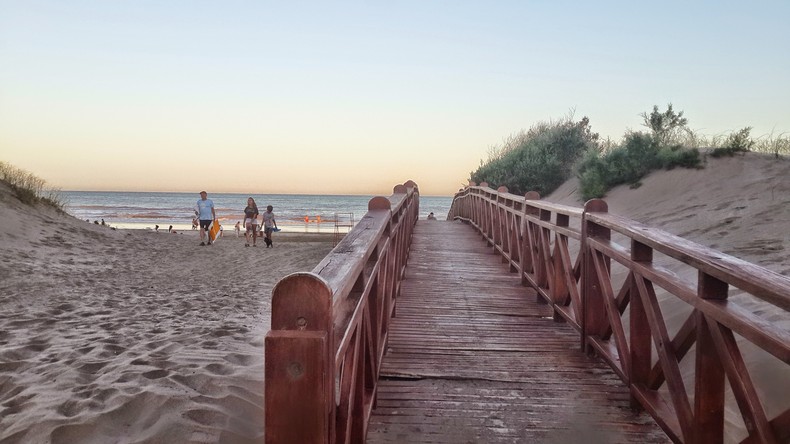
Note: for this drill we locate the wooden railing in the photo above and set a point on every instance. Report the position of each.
(599, 273)
(329, 329)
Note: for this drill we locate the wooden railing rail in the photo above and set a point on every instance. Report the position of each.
(329, 329)
(625, 326)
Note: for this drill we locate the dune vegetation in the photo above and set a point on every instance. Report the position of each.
(543, 157)
(29, 188)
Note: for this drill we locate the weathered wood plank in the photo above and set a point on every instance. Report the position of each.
(472, 357)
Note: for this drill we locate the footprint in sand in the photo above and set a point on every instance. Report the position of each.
(85, 350)
(239, 359)
(219, 369)
(70, 408)
(209, 344)
(156, 374)
(92, 367)
(206, 417)
(114, 349)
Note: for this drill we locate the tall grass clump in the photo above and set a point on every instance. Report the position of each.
(540, 159)
(29, 188)
(638, 154)
(778, 145)
(737, 142)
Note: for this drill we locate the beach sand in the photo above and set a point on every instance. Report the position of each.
(133, 335)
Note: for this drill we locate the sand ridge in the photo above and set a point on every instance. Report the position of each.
(134, 336)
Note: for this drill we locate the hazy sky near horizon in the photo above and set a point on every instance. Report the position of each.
(355, 97)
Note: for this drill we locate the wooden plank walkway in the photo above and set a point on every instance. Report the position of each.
(473, 358)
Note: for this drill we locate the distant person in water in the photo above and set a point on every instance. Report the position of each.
(431, 216)
(250, 222)
(269, 225)
(206, 213)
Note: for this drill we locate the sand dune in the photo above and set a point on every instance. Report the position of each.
(133, 336)
(740, 206)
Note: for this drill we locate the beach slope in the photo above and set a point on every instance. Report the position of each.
(131, 335)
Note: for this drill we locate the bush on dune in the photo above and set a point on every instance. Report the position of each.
(738, 142)
(638, 154)
(28, 188)
(540, 159)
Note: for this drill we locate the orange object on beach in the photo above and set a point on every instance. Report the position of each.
(213, 231)
(307, 219)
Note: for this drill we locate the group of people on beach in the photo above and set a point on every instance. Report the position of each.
(206, 214)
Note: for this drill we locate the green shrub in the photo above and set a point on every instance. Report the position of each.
(738, 142)
(667, 127)
(677, 156)
(638, 155)
(540, 159)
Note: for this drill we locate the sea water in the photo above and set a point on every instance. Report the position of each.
(146, 210)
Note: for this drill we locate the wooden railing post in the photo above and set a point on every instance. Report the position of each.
(709, 371)
(527, 264)
(500, 236)
(594, 320)
(640, 350)
(299, 383)
(558, 287)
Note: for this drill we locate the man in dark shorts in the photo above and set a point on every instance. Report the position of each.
(205, 212)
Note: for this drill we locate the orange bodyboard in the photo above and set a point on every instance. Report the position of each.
(213, 231)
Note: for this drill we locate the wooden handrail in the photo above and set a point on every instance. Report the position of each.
(330, 327)
(625, 326)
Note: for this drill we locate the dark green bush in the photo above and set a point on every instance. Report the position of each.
(540, 159)
(628, 163)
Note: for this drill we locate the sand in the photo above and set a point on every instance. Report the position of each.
(132, 335)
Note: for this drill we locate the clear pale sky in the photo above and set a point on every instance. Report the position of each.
(355, 97)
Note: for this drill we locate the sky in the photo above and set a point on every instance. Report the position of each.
(355, 97)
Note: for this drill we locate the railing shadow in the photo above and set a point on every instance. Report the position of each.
(602, 275)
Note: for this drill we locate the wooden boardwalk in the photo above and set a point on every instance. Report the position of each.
(473, 358)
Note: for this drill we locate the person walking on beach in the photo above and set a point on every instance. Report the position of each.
(269, 225)
(237, 227)
(206, 214)
(250, 222)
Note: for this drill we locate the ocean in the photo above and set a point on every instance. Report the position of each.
(146, 210)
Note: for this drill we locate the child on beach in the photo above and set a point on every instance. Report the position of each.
(238, 228)
(269, 225)
(250, 222)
